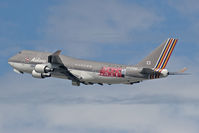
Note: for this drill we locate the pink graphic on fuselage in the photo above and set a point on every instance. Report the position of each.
(111, 72)
(27, 59)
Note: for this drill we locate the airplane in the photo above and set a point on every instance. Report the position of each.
(44, 65)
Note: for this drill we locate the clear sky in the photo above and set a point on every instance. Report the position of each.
(117, 31)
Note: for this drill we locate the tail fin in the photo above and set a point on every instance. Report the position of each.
(160, 56)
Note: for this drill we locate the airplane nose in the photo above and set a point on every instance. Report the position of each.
(12, 60)
(10, 63)
(9, 60)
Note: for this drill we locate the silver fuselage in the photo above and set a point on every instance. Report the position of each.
(43, 65)
(87, 71)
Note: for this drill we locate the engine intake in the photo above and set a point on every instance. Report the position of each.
(43, 68)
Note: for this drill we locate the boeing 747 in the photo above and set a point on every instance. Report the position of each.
(44, 65)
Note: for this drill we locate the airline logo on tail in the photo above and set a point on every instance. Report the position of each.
(165, 55)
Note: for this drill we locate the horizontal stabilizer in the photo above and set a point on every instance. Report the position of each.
(181, 72)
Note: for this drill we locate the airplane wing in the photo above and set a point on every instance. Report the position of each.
(54, 59)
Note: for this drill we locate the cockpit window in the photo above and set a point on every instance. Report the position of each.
(19, 52)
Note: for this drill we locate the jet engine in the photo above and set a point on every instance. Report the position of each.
(42, 68)
(40, 75)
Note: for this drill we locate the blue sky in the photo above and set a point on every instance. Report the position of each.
(118, 31)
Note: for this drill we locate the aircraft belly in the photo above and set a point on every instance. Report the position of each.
(93, 77)
(110, 80)
(115, 80)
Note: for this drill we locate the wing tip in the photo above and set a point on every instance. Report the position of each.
(58, 52)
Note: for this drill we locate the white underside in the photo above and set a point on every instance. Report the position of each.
(94, 77)
(85, 76)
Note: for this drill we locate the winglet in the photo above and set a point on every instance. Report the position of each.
(57, 52)
(54, 58)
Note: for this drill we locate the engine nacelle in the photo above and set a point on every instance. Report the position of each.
(40, 75)
(164, 72)
(42, 68)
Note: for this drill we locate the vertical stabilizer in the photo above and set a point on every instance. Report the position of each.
(159, 58)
